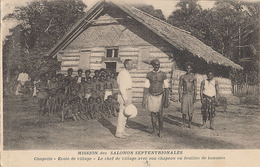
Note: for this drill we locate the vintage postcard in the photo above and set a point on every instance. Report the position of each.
(134, 83)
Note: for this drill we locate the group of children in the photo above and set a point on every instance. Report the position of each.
(80, 97)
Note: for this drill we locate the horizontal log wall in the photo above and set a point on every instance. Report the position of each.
(225, 85)
(70, 59)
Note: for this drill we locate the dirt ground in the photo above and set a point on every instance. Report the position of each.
(237, 128)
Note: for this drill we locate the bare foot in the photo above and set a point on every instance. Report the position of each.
(159, 135)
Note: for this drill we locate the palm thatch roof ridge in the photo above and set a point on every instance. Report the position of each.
(177, 37)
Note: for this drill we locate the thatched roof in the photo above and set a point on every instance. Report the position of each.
(180, 39)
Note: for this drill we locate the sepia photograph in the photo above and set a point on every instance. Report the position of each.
(107, 75)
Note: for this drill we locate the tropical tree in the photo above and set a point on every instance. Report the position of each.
(230, 27)
(40, 25)
(188, 16)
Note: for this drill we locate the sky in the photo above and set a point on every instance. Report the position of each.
(167, 6)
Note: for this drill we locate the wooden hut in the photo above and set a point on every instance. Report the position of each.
(111, 32)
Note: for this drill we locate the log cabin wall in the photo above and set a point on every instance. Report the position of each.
(132, 40)
(225, 85)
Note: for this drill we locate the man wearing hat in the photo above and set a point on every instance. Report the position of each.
(156, 93)
(187, 93)
(124, 81)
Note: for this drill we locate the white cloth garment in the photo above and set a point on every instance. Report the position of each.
(124, 81)
(79, 79)
(23, 77)
(210, 88)
(165, 83)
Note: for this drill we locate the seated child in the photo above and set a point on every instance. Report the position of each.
(115, 103)
(99, 108)
(109, 109)
(84, 108)
(78, 109)
(69, 111)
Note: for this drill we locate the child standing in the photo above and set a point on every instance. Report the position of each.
(87, 73)
(102, 87)
(114, 81)
(81, 88)
(96, 87)
(51, 102)
(79, 76)
(91, 103)
(88, 86)
(109, 86)
(42, 88)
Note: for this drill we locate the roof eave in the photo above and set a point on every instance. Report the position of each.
(74, 28)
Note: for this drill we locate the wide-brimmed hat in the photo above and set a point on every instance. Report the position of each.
(130, 111)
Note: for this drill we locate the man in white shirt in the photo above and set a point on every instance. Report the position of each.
(124, 81)
(22, 78)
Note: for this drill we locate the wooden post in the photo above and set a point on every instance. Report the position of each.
(239, 42)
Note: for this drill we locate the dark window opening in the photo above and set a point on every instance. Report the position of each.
(112, 53)
(115, 52)
(109, 52)
(111, 66)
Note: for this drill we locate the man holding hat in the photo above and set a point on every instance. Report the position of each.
(156, 93)
(124, 81)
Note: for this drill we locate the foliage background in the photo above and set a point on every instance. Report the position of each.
(230, 27)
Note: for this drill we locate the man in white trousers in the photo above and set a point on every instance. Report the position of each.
(124, 81)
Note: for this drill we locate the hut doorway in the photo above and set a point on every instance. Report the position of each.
(111, 66)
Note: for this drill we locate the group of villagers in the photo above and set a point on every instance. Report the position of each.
(81, 97)
(91, 97)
